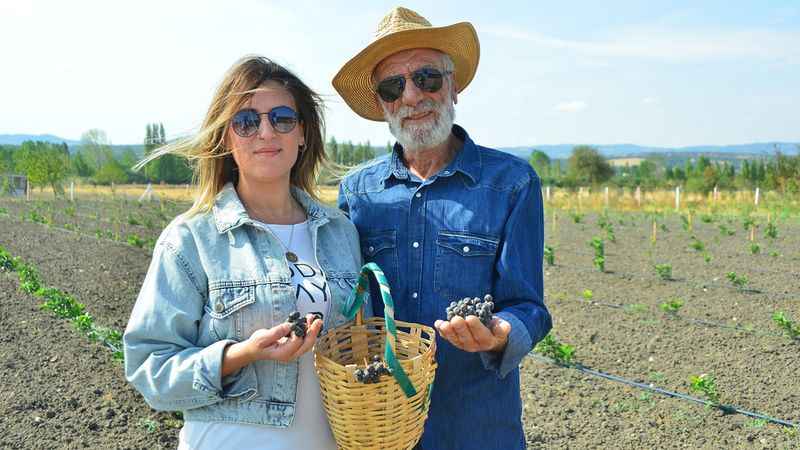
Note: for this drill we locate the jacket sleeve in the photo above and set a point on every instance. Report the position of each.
(162, 358)
(519, 285)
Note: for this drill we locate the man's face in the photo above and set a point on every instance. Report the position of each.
(417, 119)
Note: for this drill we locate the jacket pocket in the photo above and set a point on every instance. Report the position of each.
(464, 265)
(225, 302)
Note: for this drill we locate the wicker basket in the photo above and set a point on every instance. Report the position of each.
(389, 414)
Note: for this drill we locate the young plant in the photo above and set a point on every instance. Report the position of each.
(706, 385)
(755, 248)
(706, 218)
(61, 304)
(576, 217)
(550, 347)
(587, 294)
(599, 253)
(672, 306)
(771, 231)
(664, 271)
(725, 231)
(135, 240)
(549, 257)
(697, 244)
(791, 328)
(7, 262)
(706, 257)
(29, 278)
(740, 282)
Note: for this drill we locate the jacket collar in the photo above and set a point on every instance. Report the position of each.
(229, 212)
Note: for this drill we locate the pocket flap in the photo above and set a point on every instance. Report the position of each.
(377, 242)
(467, 244)
(224, 301)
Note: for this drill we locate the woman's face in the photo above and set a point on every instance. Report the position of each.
(267, 156)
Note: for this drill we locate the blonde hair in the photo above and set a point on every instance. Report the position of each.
(212, 162)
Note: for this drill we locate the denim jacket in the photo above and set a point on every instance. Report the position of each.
(213, 280)
(475, 227)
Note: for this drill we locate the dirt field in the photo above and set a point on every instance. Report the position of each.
(59, 390)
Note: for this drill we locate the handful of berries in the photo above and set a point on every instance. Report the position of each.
(372, 372)
(298, 322)
(482, 309)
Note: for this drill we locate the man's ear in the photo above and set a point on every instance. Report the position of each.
(455, 93)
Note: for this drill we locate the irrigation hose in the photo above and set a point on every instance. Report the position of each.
(728, 409)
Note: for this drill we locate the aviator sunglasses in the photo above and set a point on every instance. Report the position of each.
(245, 123)
(427, 79)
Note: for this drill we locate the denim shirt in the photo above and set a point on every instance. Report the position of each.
(474, 228)
(213, 280)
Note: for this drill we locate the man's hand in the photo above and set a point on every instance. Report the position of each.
(471, 335)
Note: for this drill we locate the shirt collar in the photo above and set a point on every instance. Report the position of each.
(467, 160)
(229, 212)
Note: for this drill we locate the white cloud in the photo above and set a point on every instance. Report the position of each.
(651, 100)
(571, 106)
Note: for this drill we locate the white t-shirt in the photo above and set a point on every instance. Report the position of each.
(309, 429)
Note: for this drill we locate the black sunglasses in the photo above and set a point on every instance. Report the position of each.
(245, 123)
(426, 79)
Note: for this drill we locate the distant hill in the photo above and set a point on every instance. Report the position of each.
(17, 139)
(760, 149)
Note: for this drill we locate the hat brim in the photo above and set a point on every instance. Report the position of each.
(354, 80)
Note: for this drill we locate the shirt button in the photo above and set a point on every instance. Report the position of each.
(414, 295)
(218, 307)
(371, 249)
(446, 172)
(418, 195)
(415, 244)
(466, 249)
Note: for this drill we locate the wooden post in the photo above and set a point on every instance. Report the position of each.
(655, 227)
(677, 198)
(758, 191)
(639, 197)
(606, 194)
(27, 190)
(752, 232)
(547, 193)
(690, 220)
(716, 192)
(72, 191)
(580, 194)
(554, 222)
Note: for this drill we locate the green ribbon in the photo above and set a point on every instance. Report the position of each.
(356, 300)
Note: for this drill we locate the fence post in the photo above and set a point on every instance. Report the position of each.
(606, 194)
(677, 198)
(547, 193)
(639, 197)
(72, 191)
(758, 191)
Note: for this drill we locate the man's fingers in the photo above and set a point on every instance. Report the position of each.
(482, 335)
(463, 334)
(501, 328)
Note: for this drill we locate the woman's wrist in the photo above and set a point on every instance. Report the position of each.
(234, 357)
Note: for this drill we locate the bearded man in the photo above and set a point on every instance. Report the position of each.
(447, 219)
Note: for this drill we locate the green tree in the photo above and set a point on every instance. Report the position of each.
(111, 172)
(541, 163)
(586, 165)
(43, 163)
(95, 148)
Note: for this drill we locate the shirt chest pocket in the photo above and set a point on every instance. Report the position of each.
(381, 248)
(464, 265)
(230, 309)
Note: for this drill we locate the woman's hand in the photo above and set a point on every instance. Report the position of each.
(275, 344)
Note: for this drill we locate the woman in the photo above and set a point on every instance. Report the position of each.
(208, 334)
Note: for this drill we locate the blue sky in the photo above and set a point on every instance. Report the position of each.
(652, 73)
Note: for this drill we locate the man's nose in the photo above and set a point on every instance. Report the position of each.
(411, 94)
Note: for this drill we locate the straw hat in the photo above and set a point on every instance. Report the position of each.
(403, 29)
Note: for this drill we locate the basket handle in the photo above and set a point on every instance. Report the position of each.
(354, 306)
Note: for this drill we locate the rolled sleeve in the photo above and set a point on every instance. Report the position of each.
(162, 358)
(518, 345)
(520, 282)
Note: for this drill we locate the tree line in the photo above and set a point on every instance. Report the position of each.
(587, 167)
(94, 160)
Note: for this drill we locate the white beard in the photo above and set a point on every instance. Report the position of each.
(424, 135)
